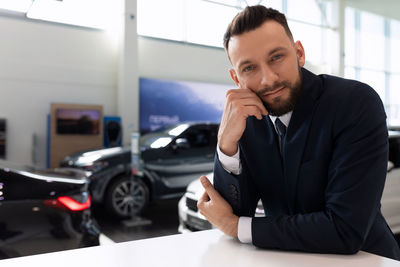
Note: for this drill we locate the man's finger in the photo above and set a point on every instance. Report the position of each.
(246, 97)
(204, 198)
(211, 192)
(236, 91)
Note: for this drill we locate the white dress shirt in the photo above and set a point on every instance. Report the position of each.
(232, 165)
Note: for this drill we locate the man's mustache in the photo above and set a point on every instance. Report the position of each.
(275, 86)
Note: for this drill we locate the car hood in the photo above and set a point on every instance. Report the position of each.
(87, 157)
(196, 188)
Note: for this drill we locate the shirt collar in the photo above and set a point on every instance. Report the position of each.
(285, 118)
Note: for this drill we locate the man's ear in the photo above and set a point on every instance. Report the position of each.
(301, 57)
(234, 77)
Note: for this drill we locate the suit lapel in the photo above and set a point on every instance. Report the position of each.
(297, 133)
(277, 168)
(273, 144)
(266, 140)
(261, 149)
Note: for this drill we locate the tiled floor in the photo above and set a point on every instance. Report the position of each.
(160, 219)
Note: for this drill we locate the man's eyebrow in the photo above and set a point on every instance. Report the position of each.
(244, 63)
(276, 50)
(279, 48)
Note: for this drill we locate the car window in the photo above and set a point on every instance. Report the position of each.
(198, 138)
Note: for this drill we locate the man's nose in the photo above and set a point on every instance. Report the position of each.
(268, 76)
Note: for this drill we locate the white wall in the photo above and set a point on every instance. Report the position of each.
(42, 63)
(172, 60)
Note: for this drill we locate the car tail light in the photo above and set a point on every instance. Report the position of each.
(68, 203)
(74, 205)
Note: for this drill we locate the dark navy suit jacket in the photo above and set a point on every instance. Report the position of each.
(324, 194)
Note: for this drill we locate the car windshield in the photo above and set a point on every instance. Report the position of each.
(173, 130)
(162, 137)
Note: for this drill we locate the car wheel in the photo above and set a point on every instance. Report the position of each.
(127, 197)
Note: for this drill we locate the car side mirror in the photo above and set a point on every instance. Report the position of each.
(181, 143)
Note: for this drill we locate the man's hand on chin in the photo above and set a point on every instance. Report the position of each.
(217, 211)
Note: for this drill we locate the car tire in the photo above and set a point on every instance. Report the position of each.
(126, 197)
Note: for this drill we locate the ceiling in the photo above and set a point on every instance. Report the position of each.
(386, 8)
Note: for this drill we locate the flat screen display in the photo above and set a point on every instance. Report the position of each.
(78, 121)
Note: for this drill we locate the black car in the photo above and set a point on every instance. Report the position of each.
(170, 159)
(44, 211)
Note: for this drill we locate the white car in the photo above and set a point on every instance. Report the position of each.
(190, 218)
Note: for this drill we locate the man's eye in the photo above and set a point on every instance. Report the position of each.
(276, 57)
(248, 68)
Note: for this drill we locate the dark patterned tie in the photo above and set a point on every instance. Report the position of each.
(281, 128)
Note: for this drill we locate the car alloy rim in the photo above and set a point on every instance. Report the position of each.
(128, 197)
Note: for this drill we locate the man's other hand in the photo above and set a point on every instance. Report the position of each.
(240, 104)
(217, 211)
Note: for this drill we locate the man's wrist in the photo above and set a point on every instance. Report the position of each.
(230, 164)
(231, 227)
(229, 150)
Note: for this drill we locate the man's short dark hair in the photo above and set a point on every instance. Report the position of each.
(251, 18)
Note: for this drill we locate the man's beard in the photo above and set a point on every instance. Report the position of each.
(280, 106)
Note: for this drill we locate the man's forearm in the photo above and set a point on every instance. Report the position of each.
(230, 163)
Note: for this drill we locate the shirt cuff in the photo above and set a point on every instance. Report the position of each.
(244, 230)
(230, 164)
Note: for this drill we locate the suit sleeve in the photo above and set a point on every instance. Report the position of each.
(356, 177)
(238, 190)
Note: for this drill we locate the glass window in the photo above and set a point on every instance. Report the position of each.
(393, 110)
(275, 4)
(227, 2)
(394, 46)
(329, 10)
(367, 57)
(350, 73)
(205, 21)
(372, 41)
(350, 37)
(375, 79)
(305, 10)
(209, 31)
(311, 38)
(162, 19)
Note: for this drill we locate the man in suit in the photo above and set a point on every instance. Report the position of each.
(313, 148)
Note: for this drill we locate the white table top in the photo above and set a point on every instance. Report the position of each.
(207, 248)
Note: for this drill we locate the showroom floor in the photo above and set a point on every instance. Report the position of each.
(160, 219)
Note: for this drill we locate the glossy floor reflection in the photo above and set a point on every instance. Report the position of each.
(163, 217)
